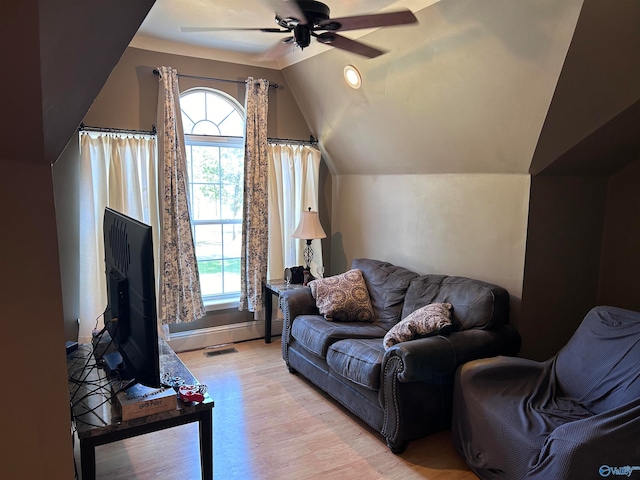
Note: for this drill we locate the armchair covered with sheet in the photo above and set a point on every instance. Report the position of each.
(575, 416)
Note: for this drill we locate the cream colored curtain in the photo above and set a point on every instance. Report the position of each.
(117, 171)
(255, 209)
(293, 188)
(181, 300)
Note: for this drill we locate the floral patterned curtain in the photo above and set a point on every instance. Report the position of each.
(181, 300)
(255, 225)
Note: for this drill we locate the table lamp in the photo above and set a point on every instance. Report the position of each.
(309, 229)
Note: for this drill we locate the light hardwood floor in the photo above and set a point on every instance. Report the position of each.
(271, 424)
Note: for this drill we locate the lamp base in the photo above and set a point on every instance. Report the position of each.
(307, 277)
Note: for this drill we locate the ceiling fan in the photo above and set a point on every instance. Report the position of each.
(307, 18)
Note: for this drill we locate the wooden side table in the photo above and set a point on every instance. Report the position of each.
(274, 288)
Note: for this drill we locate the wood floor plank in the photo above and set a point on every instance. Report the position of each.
(271, 424)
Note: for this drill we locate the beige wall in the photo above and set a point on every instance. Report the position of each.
(464, 91)
(455, 224)
(129, 100)
(66, 174)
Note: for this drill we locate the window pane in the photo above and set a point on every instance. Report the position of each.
(232, 240)
(187, 123)
(231, 204)
(232, 164)
(204, 166)
(210, 277)
(208, 241)
(193, 108)
(206, 201)
(232, 275)
(205, 127)
(218, 108)
(232, 126)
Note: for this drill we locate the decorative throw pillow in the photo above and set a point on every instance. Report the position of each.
(343, 297)
(422, 322)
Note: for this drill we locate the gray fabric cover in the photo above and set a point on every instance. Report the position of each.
(566, 418)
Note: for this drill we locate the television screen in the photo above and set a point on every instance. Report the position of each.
(130, 317)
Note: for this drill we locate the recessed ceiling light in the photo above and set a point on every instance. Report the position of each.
(352, 76)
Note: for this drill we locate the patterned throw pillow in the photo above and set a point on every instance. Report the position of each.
(343, 297)
(422, 322)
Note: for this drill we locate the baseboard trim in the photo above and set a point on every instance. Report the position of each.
(236, 332)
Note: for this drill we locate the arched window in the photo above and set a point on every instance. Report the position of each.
(214, 139)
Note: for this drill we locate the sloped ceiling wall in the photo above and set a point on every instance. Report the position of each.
(80, 43)
(465, 91)
(581, 231)
(55, 59)
(595, 112)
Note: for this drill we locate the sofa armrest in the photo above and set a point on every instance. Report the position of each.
(293, 303)
(430, 358)
(297, 301)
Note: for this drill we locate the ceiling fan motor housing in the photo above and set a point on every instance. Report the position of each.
(314, 11)
(302, 36)
(311, 19)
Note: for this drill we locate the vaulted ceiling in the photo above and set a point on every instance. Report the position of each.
(466, 91)
(476, 87)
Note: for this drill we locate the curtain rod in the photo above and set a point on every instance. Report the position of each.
(213, 79)
(86, 128)
(312, 141)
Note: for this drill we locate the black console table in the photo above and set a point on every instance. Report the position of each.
(98, 421)
(273, 288)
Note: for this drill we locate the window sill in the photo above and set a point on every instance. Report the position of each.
(212, 305)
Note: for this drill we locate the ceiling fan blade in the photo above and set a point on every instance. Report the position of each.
(278, 50)
(402, 17)
(229, 29)
(344, 43)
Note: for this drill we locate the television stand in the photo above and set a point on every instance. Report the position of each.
(98, 420)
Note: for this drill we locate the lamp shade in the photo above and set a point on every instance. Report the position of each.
(309, 227)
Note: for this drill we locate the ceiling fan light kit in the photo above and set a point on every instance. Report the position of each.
(308, 18)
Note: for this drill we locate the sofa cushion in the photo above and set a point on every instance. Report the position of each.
(476, 304)
(343, 297)
(316, 334)
(358, 360)
(387, 285)
(430, 319)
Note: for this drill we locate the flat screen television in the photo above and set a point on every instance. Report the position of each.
(130, 316)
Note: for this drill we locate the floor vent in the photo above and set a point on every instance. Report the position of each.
(219, 350)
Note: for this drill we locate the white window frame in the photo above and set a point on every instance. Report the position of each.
(225, 300)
